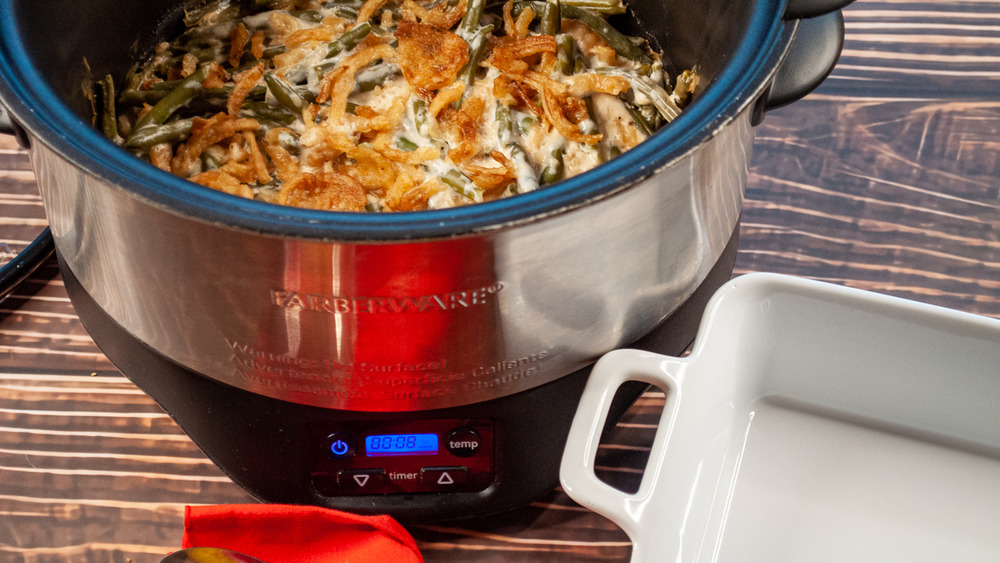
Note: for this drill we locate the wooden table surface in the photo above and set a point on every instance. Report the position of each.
(886, 179)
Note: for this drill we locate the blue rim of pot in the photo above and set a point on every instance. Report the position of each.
(38, 109)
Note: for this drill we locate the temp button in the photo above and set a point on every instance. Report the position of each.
(463, 442)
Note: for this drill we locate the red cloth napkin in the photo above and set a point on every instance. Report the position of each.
(278, 533)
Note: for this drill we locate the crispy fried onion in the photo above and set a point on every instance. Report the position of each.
(160, 155)
(464, 126)
(282, 24)
(508, 58)
(237, 42)
(555, 102)
(581, 85)
(224, 182)
(419, 155)
(429, 57)
(189, 64)
(325, 33)
(368, 120)
(444, 98)
(509, 53)
(257, 44)
(257, 160)
(339, 82)
(286, 165)
(411, 191)
(205, 133)
(245, 81)
(491, 177)
(369, 9)
(371, 169)
(327, 190)
(436, 16)
(215, 76)
(513, 93)
(517, 28)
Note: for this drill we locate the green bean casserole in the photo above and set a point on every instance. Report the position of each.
(391, 105)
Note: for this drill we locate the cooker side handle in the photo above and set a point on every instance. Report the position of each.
(813, 53)
(798, 9)
(21, 266)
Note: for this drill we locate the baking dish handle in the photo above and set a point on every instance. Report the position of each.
(685, 462)
(21, 266)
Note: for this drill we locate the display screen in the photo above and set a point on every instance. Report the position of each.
(401, 444)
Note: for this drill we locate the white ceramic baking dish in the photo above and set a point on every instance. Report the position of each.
(810, 423)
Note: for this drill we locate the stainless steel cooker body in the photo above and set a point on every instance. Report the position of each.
(407, 325)
(410, 311)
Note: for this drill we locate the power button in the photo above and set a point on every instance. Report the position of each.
(340, 445)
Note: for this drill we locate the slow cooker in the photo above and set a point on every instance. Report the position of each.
(423, 364)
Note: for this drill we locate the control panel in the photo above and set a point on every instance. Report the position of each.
(424, 456)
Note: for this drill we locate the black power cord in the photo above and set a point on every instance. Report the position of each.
(14, 272)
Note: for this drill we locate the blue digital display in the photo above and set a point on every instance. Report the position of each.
(401, 444)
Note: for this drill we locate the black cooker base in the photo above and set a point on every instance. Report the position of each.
(280, 452)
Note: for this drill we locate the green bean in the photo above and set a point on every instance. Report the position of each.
(209, 161)
(652, 116)
(526, 124)
(109, 116)
(277, 114)
(462, 184)
(599, 6)
(289, 141)
(551, 18)
(526, 180)
(256, 93)
(151, 135)
(405, 144)
(477, 51)
(133, 97)
(313, 16)
(165, 85)
(554, 171)
(505, 124)
(349, 40)
(420, 116)
(284, 93)
(566, 53)
(615, 39)
(173, 101)
(378, 75)
(644, 85)
(469, 25)
(644, 126)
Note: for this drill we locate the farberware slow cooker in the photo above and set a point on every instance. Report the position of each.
(425, 364)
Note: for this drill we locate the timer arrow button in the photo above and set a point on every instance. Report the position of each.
(444, 477)
(362, 480)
